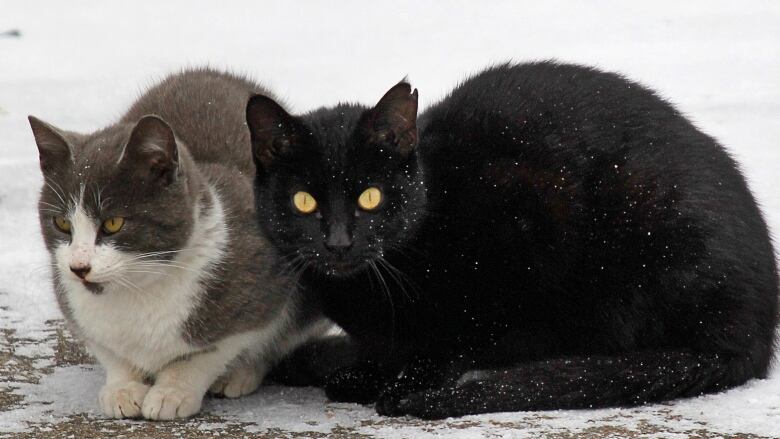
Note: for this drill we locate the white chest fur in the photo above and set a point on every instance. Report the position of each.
(141, 317)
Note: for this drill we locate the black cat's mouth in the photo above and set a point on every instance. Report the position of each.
(343, 268)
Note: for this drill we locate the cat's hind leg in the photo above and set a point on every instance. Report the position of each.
(577, 383)
(242, 379)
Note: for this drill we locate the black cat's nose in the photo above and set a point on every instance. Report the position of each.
(80, 271)
(338, 240)
(339, 249)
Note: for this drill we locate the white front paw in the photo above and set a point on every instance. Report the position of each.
(171, 402)
(122, 399)
(240, 381)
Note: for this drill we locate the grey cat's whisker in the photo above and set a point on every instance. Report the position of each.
(160, 273)
(152, 261)
(162, 263)
(121, 280)
(153, 254)
(50, 205)
(77, 199)
(56, 192)
(95, 195)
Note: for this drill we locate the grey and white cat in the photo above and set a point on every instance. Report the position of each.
(158, 265)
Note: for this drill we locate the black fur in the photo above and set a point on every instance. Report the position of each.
(562, 230)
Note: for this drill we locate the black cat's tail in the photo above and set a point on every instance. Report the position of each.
(577, 383)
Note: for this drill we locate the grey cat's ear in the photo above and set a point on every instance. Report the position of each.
(151, 152)
(272, 129)
(394, 119)
(53, 148)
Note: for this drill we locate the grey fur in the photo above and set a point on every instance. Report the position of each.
(206, 111)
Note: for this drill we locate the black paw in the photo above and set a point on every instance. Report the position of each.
(398, 393)
(428, 404)
(388, 402)
(359, 384)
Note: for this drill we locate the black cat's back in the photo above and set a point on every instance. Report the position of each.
(613, 216)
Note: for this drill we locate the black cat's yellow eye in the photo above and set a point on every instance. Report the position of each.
(304, 202)
(370, 199)
(113, 225)
(62, 224)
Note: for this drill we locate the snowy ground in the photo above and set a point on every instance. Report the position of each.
(79, 65)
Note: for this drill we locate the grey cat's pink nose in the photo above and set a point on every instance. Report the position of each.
(81, 272)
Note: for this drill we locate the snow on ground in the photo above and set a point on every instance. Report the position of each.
(80, 64)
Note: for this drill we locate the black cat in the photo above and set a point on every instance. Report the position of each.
(560, 238)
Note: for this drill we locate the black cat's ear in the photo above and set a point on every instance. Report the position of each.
(151, 152)
(272, 129)
(394, 119)
(53, 148)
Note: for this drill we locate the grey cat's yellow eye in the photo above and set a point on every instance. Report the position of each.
(62, 224)
(113, 225)
(370, 199)
(304, 202)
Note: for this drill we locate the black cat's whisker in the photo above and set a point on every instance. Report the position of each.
(306, 263)
(289, 258)
(387, 292)
(301, 267)
(404, 251)
(290, 265)
(399, 277)
(297, 268)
